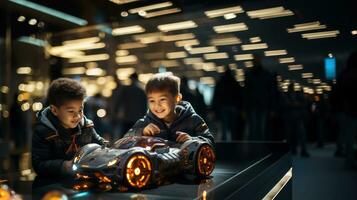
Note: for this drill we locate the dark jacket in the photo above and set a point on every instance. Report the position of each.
(187, 121)
(52, 144)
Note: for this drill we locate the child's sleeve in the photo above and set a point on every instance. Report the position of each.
(201, 130)
(41, 156)
(138, 128)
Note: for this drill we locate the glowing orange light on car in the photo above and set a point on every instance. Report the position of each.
(4, 194)
(138, 171)
(206, 160)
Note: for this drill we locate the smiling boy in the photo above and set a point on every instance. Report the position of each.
(61, 129)
(169, 117)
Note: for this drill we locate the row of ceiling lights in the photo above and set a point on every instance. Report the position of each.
(31, 21)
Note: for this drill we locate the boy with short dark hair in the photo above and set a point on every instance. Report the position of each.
(169, 117)
(61, 129)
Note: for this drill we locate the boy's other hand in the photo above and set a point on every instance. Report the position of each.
(182, 137)
(151, 130)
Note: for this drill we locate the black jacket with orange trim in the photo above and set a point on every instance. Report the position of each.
(52, 144)
(187, 121)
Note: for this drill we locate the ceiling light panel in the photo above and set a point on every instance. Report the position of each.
(275, 52)
(177, 26)
(240, 57)
(230, 28)
(177, 54)
(306, 27)
(224, 11)
(128, 30)
(286, 60)
(320, 35)
(246, 47)
(269, 13)
(200, 50)
(150, 7)
(232, 40)
(215, 56)
(88, 58)
(185, 36)
(162, 12)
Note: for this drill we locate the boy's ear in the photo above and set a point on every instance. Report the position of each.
(179, 97)
(54, 109)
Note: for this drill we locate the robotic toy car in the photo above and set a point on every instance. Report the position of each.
(140, 161)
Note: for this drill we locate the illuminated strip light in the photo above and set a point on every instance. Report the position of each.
(122, 52)
(131, 45)
(177, 54)
(130, 59)
(74, 70)
(255, 39)
(239, 57)
(32, 41)
(220, 69)
(307, 75)
(24, 70)
(319, 35)
(354, 32)
(191, 61)
(207, 80)
(122, 1)
(95, 57)
(275, 53)
(150, 7)
(185, 36)
(246, 47)
(147, 38)
(269, 13)
(56, 50)
(165, 63)
(316, 81)
(306, 27)
(162, 12)
(295, 67)
(71, 54)
(225, 41)
(184, 43)
(286, 60)
(82, 40)
(177, 26)
(51, 12)
(273, 193)
(230, 28)
(95, 72)
(214, 56)
(224, 11)
(128, 30)
(200, 50)
(208, 67)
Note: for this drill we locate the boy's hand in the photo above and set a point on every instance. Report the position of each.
(151, 130)
(182, 137)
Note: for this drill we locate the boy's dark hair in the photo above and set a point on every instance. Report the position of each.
(163, 81)
(62, 90)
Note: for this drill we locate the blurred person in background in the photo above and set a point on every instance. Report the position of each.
(226, 104)
(129, 104)
(294, 115)
(344, 95)
(259, 95)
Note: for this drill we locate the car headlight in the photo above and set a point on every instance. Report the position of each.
(74, 167)
(112, 162)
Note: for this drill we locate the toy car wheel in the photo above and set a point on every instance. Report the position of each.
(205, 160)
(138, 170)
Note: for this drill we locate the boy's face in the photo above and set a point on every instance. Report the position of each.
(70, 114)
(162, 104)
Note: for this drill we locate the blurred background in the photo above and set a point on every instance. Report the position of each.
(254, 70)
